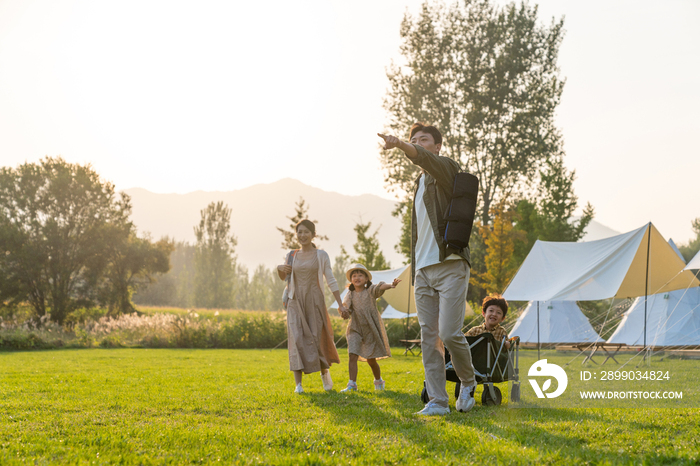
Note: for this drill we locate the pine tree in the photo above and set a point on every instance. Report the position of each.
(301, 210)
(367, 248)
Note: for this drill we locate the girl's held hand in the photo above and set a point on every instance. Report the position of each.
(284, 268)
(395, 283)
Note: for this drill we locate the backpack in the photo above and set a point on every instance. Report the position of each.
(459, 216)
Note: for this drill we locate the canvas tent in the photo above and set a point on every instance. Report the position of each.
(615, 267)
(637, 263)
(391, 313)
(675, 249)
(694, 263)
(673, 319)
(559, 322)
(401, 298)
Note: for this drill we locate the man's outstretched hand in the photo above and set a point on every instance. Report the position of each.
(389, 141)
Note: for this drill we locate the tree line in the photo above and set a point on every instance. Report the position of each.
(66, 242)
(207, 274)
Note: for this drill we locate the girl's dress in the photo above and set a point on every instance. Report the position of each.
(366, 334)
(311, 346)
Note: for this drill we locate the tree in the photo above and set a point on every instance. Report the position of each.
(404, 210)
(241, 287)
(549, 217)
(500, 242)
(290, 236)
(56, 221)
(175, 288)
(367, 248)
(340, 265)
(488, 78)
(691, 249)
(265, 290)
(214, 257)
(132, 264)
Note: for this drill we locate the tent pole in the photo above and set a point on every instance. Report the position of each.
(646, 289)
(408, 313)
(538, 330)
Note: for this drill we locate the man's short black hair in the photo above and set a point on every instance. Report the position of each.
(433, 131)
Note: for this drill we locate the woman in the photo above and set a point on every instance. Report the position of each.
(310, 343)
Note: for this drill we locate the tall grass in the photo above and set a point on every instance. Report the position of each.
(169, 328)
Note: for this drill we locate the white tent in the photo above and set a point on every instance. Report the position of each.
(612, 267)
(401, 298)
(694, 263)
(559, 322)
(391, 313)
(675, 249)
(673, 319)
(637, 263)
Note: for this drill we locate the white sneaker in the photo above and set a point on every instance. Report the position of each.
(379, 384)
(433, 409)
(352, 387)
(466, 401)
(299, 389)
(327, 381)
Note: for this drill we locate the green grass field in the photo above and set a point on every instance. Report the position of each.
(165, 406)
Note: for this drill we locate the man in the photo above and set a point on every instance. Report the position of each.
(440, 274)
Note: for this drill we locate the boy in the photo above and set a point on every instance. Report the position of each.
(494, 308)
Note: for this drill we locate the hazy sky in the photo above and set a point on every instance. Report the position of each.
(178, 96)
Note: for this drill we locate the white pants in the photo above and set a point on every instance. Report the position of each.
(441, 294)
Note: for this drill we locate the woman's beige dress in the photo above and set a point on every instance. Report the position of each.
(311, 346)
(366, 334)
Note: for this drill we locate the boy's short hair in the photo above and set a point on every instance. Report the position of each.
(432, 130)
(496, 299)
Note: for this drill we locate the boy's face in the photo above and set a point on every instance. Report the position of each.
(493, 316)
(426, 141)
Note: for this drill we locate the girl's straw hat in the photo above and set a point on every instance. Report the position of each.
(354, 267)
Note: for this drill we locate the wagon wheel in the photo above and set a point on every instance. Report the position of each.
(486, 399)
(515, 393)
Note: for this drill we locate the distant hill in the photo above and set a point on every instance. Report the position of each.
(259, 209)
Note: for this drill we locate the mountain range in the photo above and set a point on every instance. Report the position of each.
(258, 210)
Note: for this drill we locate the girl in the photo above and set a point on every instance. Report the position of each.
(311, 346)
(366, 336)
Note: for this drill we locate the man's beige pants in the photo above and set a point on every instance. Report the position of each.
(441, 294)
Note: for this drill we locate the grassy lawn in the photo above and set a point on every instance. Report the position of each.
(158, 406)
